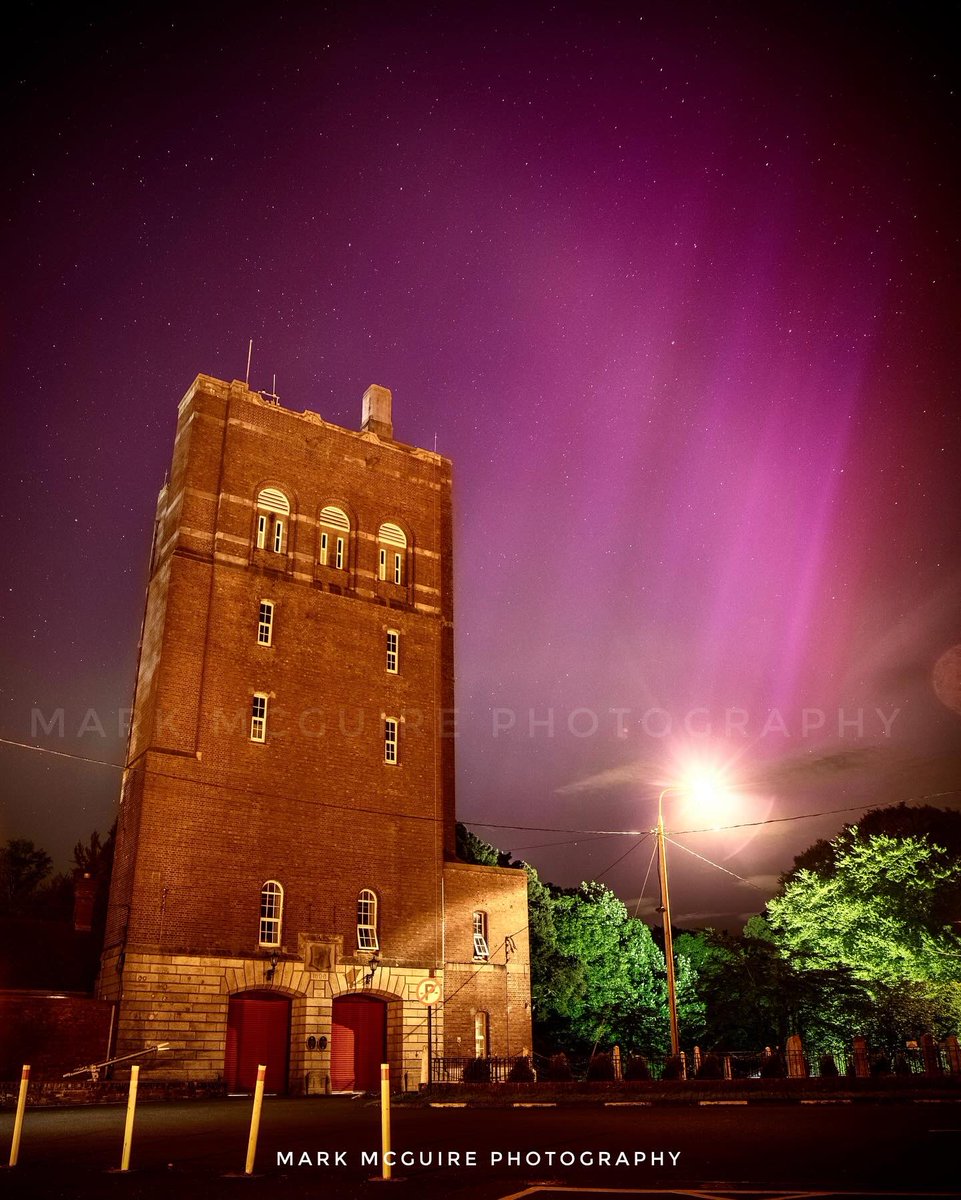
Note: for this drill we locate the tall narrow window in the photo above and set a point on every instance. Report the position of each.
(392, 543)
(265, 623)
(482, 1035)
(481, 949)
(334, 528)
(367, 921)
(390, 740)
(271, 912)
(258, 718)
(273, 508)
(393, 648)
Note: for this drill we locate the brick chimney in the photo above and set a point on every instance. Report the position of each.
(84, 893)
(376, 413)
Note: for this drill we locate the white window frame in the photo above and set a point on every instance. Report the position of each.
(367, 906)
(481, 944)
(382, 565)
(391, 735)
(258, 717)
(393, 651)
(261, 531)
(271, 912)
(339, 554)
(482, 1034)
(398, 568)
(323, 549)
(278, 535)
(265, 623)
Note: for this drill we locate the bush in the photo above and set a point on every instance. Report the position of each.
(673, 1068)
(559, 1069)
(521, 1072)
(601, 1067)
(478, 1070)
(773, 1067)
(711, 1068)
(901, 1065)
(827, 1066)
(880, 1064)
(636, 1067)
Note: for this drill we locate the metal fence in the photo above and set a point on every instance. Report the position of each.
(480, 1070)
(736, 1065)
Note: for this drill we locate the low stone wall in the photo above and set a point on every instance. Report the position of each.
(54, 1032)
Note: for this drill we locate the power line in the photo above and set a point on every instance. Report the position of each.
(61, 754)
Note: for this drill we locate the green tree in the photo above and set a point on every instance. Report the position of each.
(874, 914)
(23, 868)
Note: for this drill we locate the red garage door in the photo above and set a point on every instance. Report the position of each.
(358, 1043)
(258, 1031)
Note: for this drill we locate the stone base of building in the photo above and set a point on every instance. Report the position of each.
(190, 1003)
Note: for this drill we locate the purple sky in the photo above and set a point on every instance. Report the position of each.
(676, 288)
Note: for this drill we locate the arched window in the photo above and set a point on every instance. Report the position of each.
(481, 946)
(390, 741)
(258, 717)
(367, 921)
(482, 1035)
(273, 509)
(334, 531)
(391, 552)
(271, 912)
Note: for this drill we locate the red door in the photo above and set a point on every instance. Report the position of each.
(358, 1043)
(258, 1031)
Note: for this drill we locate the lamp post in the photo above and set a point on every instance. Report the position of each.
(666, 910)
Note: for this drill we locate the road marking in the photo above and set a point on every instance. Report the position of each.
(534, 1104)
(448, 1103)
(703, 1102)
(628, 1103)
(825, 1101)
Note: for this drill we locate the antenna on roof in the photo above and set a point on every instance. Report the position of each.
(250, 350)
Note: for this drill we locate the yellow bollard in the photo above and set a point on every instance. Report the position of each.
(255, 1120)
(18, 1119)
(128, 1127)
(385, 1120)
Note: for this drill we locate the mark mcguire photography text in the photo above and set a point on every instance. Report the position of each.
(477, 1158)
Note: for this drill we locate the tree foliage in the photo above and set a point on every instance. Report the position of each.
(874, 913)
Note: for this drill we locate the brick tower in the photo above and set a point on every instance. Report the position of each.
(285, 873)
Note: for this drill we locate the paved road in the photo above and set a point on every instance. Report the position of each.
(188, 1150)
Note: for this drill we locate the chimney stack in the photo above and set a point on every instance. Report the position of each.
(376, 413)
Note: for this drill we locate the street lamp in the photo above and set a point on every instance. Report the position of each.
(666, 911)
(702, 787)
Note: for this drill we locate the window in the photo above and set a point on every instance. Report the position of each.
(265, 623)
(258, 718)
(482, 1035)
(335, 526)
(367, 921)
(393, 646)
(271, 912)
(481, 949)
(393, 548)
(390, 741)
(272, 509)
